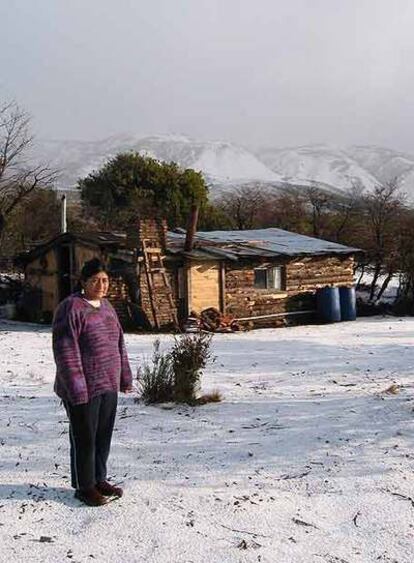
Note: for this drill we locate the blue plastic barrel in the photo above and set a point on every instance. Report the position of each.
(328, 304)
(348, 303)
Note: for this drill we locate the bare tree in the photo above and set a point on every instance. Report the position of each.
(346, 210)
(383, 209)
(18, 176)
(319, 202)
(244, 206)
(406, 251)
(287, 210)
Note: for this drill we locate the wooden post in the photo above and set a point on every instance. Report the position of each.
(191, 229)
(222, 287)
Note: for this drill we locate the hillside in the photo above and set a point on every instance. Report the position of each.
(226, 165)
(221, 162)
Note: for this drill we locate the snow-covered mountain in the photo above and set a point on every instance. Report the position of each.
(226, 165)
(386, 165)
(333, 168)
(221, 163)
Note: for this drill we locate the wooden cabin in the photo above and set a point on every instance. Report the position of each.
(52, 272)
(52, 269)
(261, 277)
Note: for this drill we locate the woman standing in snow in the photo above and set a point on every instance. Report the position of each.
(92, 366)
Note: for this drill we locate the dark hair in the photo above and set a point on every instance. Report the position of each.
(92, 267)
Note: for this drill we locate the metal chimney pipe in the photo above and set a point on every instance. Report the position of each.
(63, 223)
(191, 229)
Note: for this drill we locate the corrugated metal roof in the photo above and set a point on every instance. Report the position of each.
(101, 238)
(94, 238)
(218, 245)
(261, 242)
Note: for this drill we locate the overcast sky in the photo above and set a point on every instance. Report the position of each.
(258, 72)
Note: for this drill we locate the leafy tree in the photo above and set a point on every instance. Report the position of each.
(131, 184)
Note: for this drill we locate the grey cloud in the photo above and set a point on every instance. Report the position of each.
(269, 72)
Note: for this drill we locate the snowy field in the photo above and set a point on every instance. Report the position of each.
(307, 459)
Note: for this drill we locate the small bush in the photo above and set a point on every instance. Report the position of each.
(156, 379)
(189, 356)
(175, 375)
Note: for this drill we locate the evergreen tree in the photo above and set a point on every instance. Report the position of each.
(130, 184)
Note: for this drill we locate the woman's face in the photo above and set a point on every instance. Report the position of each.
(96, 286)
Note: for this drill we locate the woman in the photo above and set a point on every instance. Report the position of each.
(92, 366)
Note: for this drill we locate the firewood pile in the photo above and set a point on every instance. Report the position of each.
(211, 320)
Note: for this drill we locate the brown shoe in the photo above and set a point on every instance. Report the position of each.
(109, 490)
(91, 497)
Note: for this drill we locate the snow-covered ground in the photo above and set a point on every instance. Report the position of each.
(307, 459)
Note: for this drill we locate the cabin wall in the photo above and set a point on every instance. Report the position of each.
(302, 277)
(243, 299)
(154, 230)
(203, 282)
(82, 255)
(159, 296)
(118, 297)
(154, 233)
(308, 274)
(42, 275)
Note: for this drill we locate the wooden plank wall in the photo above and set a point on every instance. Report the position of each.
(312, 273)
(82, 255)
(302, 278)
(203, 285)
(243, 299)
(118, 297)
(43, 274)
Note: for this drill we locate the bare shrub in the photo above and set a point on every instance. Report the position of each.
(156, 378)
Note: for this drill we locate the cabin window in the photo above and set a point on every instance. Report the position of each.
(269, 278)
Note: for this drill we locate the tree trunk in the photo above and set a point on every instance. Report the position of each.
(2, 224)
(358, 283)
(385, 285)
(374, 281)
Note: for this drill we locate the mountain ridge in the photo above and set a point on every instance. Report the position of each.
(225, 164)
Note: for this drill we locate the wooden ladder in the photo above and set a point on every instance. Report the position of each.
(154, 265)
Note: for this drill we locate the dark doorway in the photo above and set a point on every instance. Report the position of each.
(64, 270)
(182, 293)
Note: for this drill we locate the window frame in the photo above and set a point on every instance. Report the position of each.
(271, 278)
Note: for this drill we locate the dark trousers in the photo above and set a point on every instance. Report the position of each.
(90, 430)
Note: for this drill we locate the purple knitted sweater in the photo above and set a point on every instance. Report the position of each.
(89, 350)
